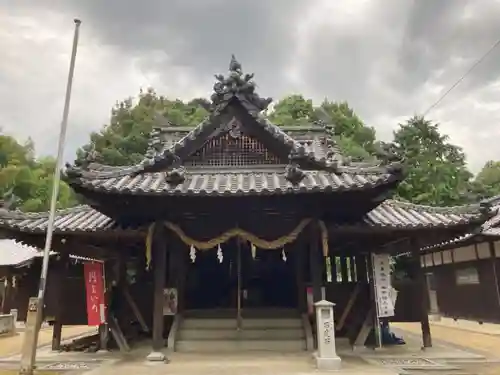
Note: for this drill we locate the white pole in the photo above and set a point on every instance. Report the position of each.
(55, 194)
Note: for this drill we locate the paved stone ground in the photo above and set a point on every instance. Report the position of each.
(468, 336)
(485, 343)
(468, 325)
(388, 361)
(11, 345)
(255, 363)
(455, 352)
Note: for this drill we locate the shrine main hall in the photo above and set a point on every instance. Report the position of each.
(226, 235)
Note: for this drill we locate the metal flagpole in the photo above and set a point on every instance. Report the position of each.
(27, 368)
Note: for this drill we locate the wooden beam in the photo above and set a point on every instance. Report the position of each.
(118, 335)
(366, 328)
(348, 307)
(134, 308)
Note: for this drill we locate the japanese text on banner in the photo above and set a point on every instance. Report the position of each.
(382, 284)
(94, 285)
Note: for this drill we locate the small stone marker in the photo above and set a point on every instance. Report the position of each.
(326, 357)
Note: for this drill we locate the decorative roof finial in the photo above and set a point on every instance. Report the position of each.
(234, 65)
(238, 85)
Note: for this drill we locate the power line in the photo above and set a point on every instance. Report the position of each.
(479, 61)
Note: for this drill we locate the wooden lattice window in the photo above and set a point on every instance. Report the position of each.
(228, 150)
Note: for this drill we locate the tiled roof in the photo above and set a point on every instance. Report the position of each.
(319, 158)
(398, 214)
(233, 182)
(13, 253)
(490, 227)
(390, 214)
(76, 219)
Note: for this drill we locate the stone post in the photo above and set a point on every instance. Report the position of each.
(326, 357)
(31, 330)
(14, 313)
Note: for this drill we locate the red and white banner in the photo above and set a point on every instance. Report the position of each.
(94, 285)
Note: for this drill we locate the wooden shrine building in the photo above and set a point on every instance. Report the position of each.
(240, 216)
(464, 273)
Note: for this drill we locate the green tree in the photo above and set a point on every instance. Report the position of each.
(355, 138)
(487, 182)
(25, 182)
(293, 110)
(124, 140)
(437, 171)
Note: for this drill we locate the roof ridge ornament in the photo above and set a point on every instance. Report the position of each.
(386, 153)
(239, 85)
(293, 173)
(90, 156)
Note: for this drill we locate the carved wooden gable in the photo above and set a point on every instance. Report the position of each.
(232, 147)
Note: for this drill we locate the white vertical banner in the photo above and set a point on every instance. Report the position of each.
(382, 285)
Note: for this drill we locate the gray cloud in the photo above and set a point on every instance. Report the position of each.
(388, 58)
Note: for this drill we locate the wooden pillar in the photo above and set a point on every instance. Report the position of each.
(61, 273)
(182, 260)
(333, 263)
(315, 260)
(159, 261)
(344, 269)
(423, 295)
(299, 274)
(352, 269)
(361, 270)
(8, 293)
(109, 276)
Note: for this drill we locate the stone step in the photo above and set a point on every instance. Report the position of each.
(240, 345)
(277, 313)
(243, 334)
(199, 323)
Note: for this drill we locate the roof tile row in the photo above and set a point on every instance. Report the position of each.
(237, 183)
(390, 214)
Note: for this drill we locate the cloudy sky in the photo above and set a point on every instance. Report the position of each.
(389, 59)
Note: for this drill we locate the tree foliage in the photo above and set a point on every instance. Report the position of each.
(437, 170)
(25, 182)
(355, 138)
(125, 139)
(487, 181)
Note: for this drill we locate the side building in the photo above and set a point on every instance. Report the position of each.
(463, 274)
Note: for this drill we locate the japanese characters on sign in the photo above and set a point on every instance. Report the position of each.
(94, 285)
(382, 285)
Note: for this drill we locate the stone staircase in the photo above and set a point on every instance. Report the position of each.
(263, 330)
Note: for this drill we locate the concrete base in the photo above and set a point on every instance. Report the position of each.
(156, 357)
(328, 364)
